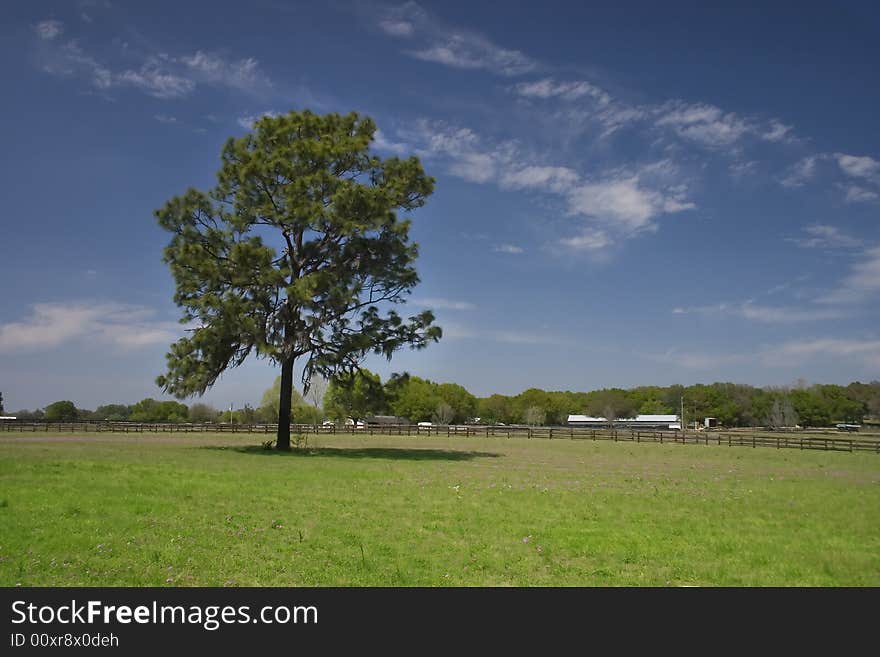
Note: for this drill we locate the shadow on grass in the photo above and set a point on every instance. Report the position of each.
(361, 453)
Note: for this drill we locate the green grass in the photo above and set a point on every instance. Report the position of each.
(157, 510)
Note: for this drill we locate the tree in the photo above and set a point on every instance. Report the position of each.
(334, 259)
(611, 404)
(316, 391)
(61, 411)
(535, 416)
(782, 414)
(355, 395)
(150, 410)
(202, 413)
(270, 403)
(113, 412)
(444, 413)
(414, 398)
(1, 403)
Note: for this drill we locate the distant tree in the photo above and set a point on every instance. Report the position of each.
(316, 390)
(612, 404)
(1, 403)
(61, 411)
(268, 410)
(35, 415)
(151, 410)
(203, 413)
(494, 409)
(113, 412)
(535, 416)
(444, 413)
(782, 414)
(414, 398)
(463, 403)
(355, 396)
(293, 254)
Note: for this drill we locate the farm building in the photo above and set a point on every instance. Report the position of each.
(637, 422)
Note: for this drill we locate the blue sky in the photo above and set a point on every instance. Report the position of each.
(626, 195)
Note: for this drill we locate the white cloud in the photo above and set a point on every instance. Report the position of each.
(857, 194)
(508, 248)
(449, 46)
(242, 74)
(627, 201)
(823, 236)
(164, 118)
(382, 143)
(397, 28)
(624, 201)
(555, 179)
(50, 29)
(247, 121)
(589, 240)
(802, 171)
(762, 313)
(443, 304)
(161, 75)
(702, 123)
(862, 282)
(51, 325)
(549, 88)
(798, 351)
(858, 167)
(777, 131)
(152, 80)
(472, 51)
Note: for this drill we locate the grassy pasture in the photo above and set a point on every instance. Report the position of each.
(202, 509)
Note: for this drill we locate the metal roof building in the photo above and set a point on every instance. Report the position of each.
(645, 421)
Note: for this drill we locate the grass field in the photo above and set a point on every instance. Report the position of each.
(214, 510)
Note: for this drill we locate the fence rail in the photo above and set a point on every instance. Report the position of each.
(731, 439)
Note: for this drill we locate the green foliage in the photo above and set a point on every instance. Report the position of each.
(611, 404)
(355, 396)
(61, 411)
(150, 410)
(203, 413)
(293, 253)
(112, 412)
(268, 410)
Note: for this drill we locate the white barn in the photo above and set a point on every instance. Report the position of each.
(637, 422)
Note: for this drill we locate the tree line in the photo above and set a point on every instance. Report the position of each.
(411, 398)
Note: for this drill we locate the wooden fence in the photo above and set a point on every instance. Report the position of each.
(731, 439)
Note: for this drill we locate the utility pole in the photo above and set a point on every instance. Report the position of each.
(683, 425)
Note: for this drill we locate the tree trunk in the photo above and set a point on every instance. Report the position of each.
(283, 440)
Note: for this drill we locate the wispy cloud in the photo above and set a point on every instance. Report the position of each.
(49, 29)
(796, 352)
(789, 354)
(824, 236)
(570, 90)
(858, 194)
(449, 46)
(763, 313)
(247, 121)
(858, 166)
(619, 203)
(511, 249)
(242, 74)
(159, 75)
(443, 304)
(861, 283)
(164, 118)
(51, 325)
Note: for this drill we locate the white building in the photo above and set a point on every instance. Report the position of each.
(637, 422)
